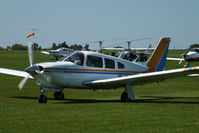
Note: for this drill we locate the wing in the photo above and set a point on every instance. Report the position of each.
(119, 49)
(15, 73)
(178, 59)
(194, 75)
(44, 52)
(142, 48)
(142, 78)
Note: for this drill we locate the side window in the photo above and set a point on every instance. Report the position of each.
(109, 63)
(120, 65)
(94, 61)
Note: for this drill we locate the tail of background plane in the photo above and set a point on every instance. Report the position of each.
(158, 59)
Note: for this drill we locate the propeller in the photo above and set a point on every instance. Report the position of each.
(129, 42)
(31, 67)
(30, 53)
(23, 81)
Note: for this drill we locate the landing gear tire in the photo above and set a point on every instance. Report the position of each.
(42, 98)
(59, 96)
(124, 97)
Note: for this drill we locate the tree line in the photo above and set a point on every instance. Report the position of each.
(54, 46)
(36, 46)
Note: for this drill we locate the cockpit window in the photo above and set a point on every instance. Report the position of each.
(77, 58)
(109, 63)
(94, 61)
(195, 50)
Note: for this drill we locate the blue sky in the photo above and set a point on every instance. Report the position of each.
(78, 21)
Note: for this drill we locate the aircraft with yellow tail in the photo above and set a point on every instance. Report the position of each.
(92, 70)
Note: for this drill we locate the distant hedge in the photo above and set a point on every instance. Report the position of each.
(18, 47)
(1, 48)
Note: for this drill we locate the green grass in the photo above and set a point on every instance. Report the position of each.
(169, 107)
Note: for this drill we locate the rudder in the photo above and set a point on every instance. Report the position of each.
(158, 59)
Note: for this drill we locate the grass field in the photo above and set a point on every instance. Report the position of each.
(169, 107)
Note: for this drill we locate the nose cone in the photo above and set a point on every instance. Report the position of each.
(184, 55)
(32, 69)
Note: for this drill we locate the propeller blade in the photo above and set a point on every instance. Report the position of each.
(22, 83)
(181, 61)
(30, 53)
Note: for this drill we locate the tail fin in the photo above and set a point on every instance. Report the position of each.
(158, 58)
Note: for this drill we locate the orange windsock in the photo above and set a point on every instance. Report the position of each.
(31, 34)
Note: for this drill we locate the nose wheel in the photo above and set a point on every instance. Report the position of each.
(42, 98)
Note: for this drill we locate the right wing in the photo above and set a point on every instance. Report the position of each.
(142, 78)
(15, 73)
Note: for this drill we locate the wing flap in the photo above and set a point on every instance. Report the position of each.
(15, 73)
(142, 78)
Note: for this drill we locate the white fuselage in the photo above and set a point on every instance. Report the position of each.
(67, 73)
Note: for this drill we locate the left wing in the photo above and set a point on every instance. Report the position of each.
(15, 73)
(142, 78)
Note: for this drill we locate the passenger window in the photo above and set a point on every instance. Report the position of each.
(77, 58)
(109, 63)
(120, 65)
(94, 61)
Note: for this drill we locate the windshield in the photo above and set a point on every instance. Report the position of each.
(195, 50)
(77, 58)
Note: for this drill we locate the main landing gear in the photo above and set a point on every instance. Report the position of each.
(59, 95)
(128, 94)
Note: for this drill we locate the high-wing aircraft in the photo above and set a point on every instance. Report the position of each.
(92, 70)
(189, 56)
(61, 52)
(132, 53)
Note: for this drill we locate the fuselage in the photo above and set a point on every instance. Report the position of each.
(85, 66)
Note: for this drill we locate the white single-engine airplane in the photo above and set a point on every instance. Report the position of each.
(189, 56)
(91, 70)
(60, 52)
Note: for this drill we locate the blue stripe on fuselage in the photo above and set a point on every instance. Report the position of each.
(91, 72)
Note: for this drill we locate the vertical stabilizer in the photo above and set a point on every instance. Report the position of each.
(158, 59)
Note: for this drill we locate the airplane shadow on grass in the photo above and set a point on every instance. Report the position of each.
(140, 99)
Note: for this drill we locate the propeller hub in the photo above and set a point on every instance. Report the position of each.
(32, 69)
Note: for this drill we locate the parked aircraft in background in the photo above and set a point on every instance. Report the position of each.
(189, 56)
(92, 70)
(61, 52)
(132, 54)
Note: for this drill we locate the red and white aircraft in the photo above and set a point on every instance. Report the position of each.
(91, 70)
(189, 56)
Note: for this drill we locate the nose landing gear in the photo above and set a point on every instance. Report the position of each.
(42, 98)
